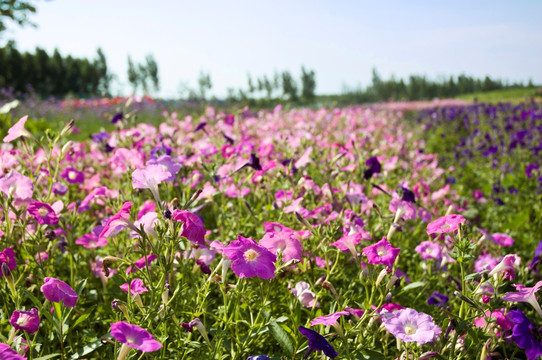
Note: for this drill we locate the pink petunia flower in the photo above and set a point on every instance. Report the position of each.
(136, 287)
(502, 239)
(43, 213)
(500, 319)
(28, 321)
(445, 224)
(429, 250)
(329, 320)
(167, 165)
(118, 221)
(250, 259)
(16, 185)
(134, 337)
(284, 242)
(485, 262)
(149, 178)
(381, 253)
(56, 290)
(141, 263)
(17, 130)
(8, 353)
(411, 326)
(349, 242)
(525, 294)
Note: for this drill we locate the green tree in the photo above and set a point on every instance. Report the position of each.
(133, 75)
(308, 84)
(16, 11)
(152, 71)
(289, 86)
(204, 85)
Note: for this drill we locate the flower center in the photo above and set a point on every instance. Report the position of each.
(43, 211)
(251, 255)
(428, 251)
(23, 320)
(72, 175)
(381, 251)
(410, 329)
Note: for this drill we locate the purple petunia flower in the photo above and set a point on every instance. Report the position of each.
(116, 118)
(172, 167)
(134, 336)
(530, 168)
(381, 253)
(72, 175)
(43, 213)
(429, 250)
(525, 335)
(373, 167)
(56, 290)
(258, 357)
(437, 299)
(537, 258)
(250, 259)
(7, 353)
(28, 321)
(7, 256)
(318, 343)
(411, 326)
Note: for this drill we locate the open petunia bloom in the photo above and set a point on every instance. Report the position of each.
(149, 178)
(7, 353)
(72, 175)
(284, 242)
(43, 213)
(16, 185)
(92, 240)
(318, 343)
(168, 165)
(250, 259)
(525, 294)
(502, 239)
(411, 326)
(381, 253)
(445, 224)
(134, 337)
(56, 290)
(136, 287)
(525, 335)
(429, 250)
(17, 130)
(28, 321)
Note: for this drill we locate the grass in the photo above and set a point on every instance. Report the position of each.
(507, 95)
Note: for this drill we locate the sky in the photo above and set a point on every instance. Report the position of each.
(342, 41)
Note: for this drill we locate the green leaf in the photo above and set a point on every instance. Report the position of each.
(370, 355)
(414, 285)
(282, 337)
(88, 348)
(47, 357)
(81, 319)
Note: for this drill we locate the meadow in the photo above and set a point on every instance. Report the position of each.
(392, 231)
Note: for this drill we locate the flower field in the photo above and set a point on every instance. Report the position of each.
(378, 232)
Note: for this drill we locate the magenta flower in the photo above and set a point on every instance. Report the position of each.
(17, 185)
(91, 241)
(250, 259)
(525, 294)
(28, 321)
(136, 287)
(500, 319)
(411, 326)
(485, 262)
(284, 242)
(43, 213)
(118, 221)
(149, 178)
(17, 130)
(134, 336)
(73, 176)
(142, 262)
(429, 250)
(7, 256)
(507, 267)
(445, 224)
(349, 242)
(56, 290)
(193, 228)
(502, 239)
(7, 353)
(381, 253)
(329, 320)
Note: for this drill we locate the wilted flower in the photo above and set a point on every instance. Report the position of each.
(250, 259)
(411, 326)
(56, 290)
(28, 321)
(303, 293)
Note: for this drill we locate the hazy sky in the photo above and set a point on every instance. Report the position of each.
(341, 40)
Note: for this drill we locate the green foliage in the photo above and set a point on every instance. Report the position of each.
(16, 11)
